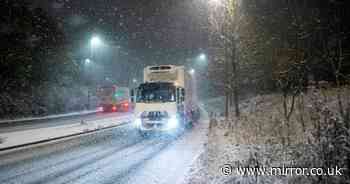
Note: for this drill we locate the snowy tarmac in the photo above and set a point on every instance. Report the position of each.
(118, 155)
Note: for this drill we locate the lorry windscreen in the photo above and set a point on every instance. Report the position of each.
(156, 92)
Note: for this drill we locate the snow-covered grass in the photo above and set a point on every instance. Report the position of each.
(263, 137)
(198, 174)
(214, 105)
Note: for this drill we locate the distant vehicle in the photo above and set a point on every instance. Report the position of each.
(166, 100)
(114, 99)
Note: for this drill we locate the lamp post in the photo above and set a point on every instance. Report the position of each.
(134, 81)
(85, 65)
(94, 43)
(192, 71)
(87, 61)
(202, 57)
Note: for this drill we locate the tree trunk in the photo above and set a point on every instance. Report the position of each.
(226, 105)
(235, 82)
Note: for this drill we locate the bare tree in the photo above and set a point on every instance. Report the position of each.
(222, 19)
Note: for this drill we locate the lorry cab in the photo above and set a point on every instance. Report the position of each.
(161, 103)
(159, 106)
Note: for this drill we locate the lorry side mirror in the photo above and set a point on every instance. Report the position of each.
(177, 95)
(183, 94)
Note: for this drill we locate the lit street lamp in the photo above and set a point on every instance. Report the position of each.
(87, 61)
(95, 41)
(108, 79)
(216, 3)
(192, 71)
(202, 57)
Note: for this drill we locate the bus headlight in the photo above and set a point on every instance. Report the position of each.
(173, 123)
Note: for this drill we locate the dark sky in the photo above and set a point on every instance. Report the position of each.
(156, 31)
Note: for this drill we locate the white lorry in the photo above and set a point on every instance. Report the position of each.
(166, 100)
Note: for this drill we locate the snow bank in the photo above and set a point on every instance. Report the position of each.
(27, 137)
(50, 117)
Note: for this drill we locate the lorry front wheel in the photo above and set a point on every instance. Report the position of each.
(189, 125)
(143, 133)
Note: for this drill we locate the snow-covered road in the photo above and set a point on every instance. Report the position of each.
(117, 155)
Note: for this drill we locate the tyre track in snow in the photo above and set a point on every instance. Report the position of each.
(84, 158)
(118, 155)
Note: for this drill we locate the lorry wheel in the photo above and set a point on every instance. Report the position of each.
(143, 133)
(189, 125)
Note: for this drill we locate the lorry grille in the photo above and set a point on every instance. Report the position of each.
(156, 115)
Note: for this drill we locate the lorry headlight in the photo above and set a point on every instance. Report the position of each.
(137, 122)
(173, 123)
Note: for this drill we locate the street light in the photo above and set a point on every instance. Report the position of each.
(87, 61)
(215, 2)
(95, 41)
(192, 71)
(202, 57)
